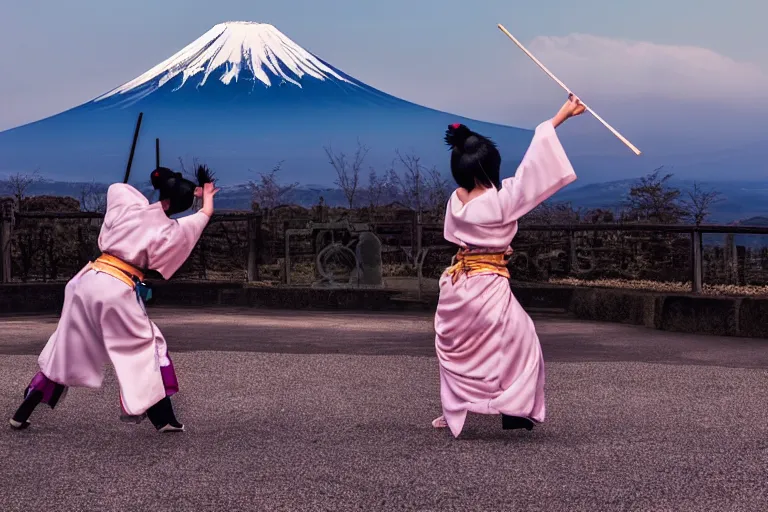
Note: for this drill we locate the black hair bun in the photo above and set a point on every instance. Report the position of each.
(163, 177)
(456, 135)
(173, 187)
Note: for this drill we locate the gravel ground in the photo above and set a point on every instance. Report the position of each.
(332, 411)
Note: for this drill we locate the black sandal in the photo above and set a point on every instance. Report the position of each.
(515, 422)
(25, 410)
(162, 417)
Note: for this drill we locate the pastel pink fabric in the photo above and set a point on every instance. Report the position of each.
(489, 354)
(104, 321)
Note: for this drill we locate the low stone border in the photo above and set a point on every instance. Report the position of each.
(729, 316)
(18, 298)
(282, 297)
(724, 316)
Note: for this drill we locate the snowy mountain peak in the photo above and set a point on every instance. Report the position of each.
(229, 48)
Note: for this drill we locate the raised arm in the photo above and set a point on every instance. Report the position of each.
(545, 168)
(175, 242)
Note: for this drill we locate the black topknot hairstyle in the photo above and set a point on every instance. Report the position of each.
(177, 189)
(203, 175)
(474, 158)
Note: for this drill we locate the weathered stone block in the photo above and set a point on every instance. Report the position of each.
(753, 317)
(701, 315)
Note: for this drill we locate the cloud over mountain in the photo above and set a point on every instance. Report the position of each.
(614, 67)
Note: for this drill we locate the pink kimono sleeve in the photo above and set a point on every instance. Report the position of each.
(120, 197)
(174, 243)
(545, 169)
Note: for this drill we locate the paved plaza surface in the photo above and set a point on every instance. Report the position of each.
(305, 411)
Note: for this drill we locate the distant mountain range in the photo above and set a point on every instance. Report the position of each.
(742, 201)
(739, 199)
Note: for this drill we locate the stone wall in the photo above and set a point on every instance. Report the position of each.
(18, 298)
(723, 316)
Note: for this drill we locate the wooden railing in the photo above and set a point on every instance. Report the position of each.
(8, 220)
(695, 231)
(256, 245)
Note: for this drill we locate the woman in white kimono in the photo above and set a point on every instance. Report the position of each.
(103, 318)
(489, 354)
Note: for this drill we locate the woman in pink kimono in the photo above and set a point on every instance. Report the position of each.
(489, 353)
(103, 318)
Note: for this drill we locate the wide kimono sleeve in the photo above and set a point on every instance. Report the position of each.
(174, 242)
(545, 169)
(122, 197)
(122, 194)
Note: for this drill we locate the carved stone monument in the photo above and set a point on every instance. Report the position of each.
(368, 254)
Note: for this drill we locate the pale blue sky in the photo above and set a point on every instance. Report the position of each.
(444, 54)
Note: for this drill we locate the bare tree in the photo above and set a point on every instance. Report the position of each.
(419, 188)
(411, 184)
(699, 204)
(652, 199)
(376, 187)
(93, 198)
(348, 173)
(189, 173)
(436, 191)
(391, 184)
(599, 216)
(18, 184)
(267, 192)
(553, 213)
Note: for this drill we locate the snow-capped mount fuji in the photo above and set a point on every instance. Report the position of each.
(258, 48)
(242, 97)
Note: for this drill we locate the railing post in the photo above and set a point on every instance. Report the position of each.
(6, 225)
(731, 259)
(254, 236)
(572, 263)
(414, 235)
(420, 267)
(287, 259)
(741, 265)
(696, 263)
(419, 234)
(203, 271)
(82, 249)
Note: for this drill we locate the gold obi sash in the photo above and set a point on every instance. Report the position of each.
(479, 263)
(118, 269)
